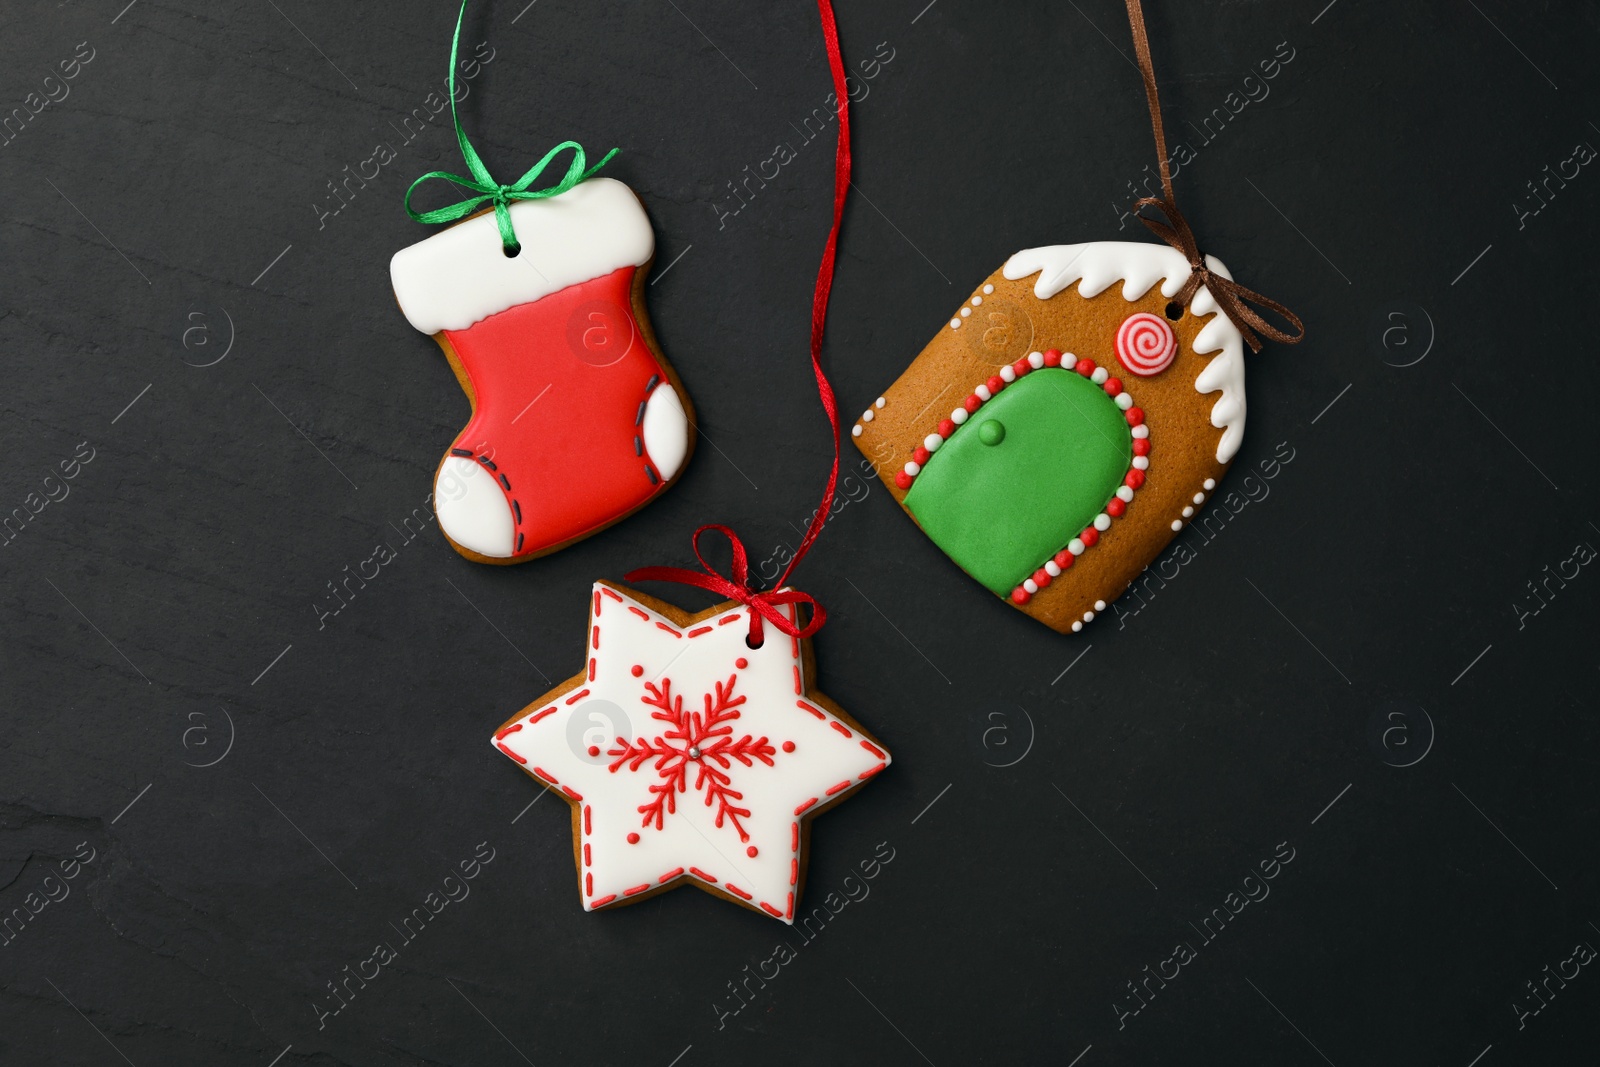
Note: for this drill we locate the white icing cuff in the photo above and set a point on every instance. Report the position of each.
(472, 508)
(665, 431)
(461, 275)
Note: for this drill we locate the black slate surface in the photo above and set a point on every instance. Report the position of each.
(1353, 673)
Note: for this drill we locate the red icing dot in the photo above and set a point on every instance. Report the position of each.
(995, 384)
(1141, 446)
(972, 403)
(1020, 595)
(1115, 507)
(1085, 367)
(1090, 537)
(946, 427)
(741, 663)
(1135, 416)
(1135, 477)
(1022, 366)
(1113, 386)
(751, 851)
(902, 479)
(594, 750)
(1041, 577)
(1052, 357)
(920, 455)
(788, 746)
(637, 670)
(1064, 559)
(633, 839)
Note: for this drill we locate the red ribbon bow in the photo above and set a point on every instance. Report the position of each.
(762, 605)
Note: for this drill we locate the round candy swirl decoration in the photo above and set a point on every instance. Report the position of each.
(1145, 344)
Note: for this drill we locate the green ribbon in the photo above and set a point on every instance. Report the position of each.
(483, 183)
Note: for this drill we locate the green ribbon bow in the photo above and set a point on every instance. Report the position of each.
(484, 184)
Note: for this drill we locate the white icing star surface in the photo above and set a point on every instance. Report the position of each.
(618, 746)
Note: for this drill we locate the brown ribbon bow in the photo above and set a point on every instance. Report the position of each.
(1233, 298)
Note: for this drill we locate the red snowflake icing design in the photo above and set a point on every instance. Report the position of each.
(702, 739)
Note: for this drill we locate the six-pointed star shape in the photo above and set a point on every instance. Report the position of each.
(689, 757)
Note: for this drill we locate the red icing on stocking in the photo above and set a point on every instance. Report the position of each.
(564, 386)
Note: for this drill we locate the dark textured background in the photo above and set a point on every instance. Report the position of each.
(1362, 615)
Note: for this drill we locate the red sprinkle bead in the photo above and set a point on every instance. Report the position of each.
(1134, 479)
(1085, 367)
(1041, 577)
(1135, 416)
(1064, 559)
(741, 663)
(1020, 595)
(946, 428)
(751, 851)
(995, 384)
(902, 479)
(1052, 357)
(633, 839)
(1022, 366)
(1090, 537)
(1115, 507)
(788, 746)
(921, 455)
(594, 750)
(637, 670)
(972, 403)
(1113, 386)
(1141, 446)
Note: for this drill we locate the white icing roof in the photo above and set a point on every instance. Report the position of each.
(461, 275)
(1096, 265)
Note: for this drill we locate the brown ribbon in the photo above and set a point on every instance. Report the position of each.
(1233, 298)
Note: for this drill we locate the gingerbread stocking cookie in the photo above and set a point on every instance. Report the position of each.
(577, 419)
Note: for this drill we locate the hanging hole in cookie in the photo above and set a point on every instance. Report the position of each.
(753, 644)
(511, 251)
(1174, 310)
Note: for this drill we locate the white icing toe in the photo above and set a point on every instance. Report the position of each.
(472, 508)
(665, 431)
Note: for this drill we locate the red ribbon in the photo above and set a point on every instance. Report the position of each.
(764, 605)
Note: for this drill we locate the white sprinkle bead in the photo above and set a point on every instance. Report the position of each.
(982, 393)
(988, 288)
(1102, 522)
(1008, 373)
(1099, 605)
(1076, 626)
(965, 312)
(958, 416)
(1088, 616)
(1099, 376)
(1199, 498)
(866, 416)
(1210, 484)
(1141, 431)
(1124, 401)
(1076, 547)
(955, 324)
(1036, 360)
(878, 403)
(1176, 525)
(855, 431)
(1188, 513)
(1124, 494)
(977, 301)
(1141, 463)
(1052, 568)
(932, 442)
(1030, 585)
(913, 468)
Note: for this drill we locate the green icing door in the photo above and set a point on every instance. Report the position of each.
(1023, 476)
